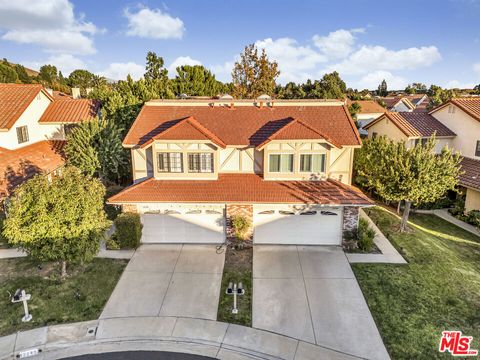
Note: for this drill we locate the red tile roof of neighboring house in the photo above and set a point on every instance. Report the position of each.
(17, 166)
(470, 105)
(70, 111)
(415, 124)
(185, 129)
(245, 125)
(14, 100)
(368, 106)
(471, 176)
(294, 129)
(242, 188)
(390, 102)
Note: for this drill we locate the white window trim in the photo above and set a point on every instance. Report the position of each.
(282, 153)
(312, 153)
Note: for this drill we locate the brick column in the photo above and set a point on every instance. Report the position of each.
(350, 218)
(242, 210)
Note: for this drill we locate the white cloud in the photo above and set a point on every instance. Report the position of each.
(119, 71)
(476, 68)
(65, 63)
(179, 61)
(374, 58)
(455, 84)
(52, 25)
(223, 71)
(337, 44)
(373, 79)
(154, 24)
(294, 61)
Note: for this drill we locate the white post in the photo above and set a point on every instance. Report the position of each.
(235, 310)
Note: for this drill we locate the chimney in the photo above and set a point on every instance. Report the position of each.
(271, 104)
(232, 105)
(76, 93)
(261, 105)
(88, 90)
(50, 91)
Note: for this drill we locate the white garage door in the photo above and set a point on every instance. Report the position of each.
(287, 225)
(187, 226)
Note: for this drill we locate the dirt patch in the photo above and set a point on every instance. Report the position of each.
(239, 258)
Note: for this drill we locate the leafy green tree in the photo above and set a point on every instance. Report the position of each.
(415, 175)
(81, 78)
(290, 91)
(477, 89)
(154, 69)
(7, 74)
(22, 74)
(59, 218)
(438, 96)
(354, 109)
(254, 74)
(48, 74)
(331, 86)
(382, 88)
(196, 81)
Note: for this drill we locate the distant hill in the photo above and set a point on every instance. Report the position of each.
(30, 72)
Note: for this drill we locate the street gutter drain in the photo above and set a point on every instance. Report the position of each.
(91, 331)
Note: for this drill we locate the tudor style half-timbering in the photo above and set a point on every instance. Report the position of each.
(285, 165)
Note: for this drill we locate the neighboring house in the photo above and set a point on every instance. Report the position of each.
(33, 126)
(462, 115)
(407, 103)
(369, 111)
(411, 128)
(285, 165)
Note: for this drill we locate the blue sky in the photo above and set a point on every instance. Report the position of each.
(366, 41)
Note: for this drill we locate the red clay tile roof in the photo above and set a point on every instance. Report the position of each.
(368, 106)
(14, 100)
(245, 125)
(415, 124)
(185, 129)
(471, 177)
(471, 105)
(294, 129)
(70, 111)
(242, 188)
(17, 166)
(390, 102)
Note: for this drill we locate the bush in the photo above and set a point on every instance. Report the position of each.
(365, 236)
(112, 210)
(473, 217)
(128, 230)
(241, 226)
(112, 243)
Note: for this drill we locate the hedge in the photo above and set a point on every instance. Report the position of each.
(128, 230)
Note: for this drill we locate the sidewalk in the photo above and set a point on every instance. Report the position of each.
(173, 334)
(445, 215)
(110, 254)
(389, 254)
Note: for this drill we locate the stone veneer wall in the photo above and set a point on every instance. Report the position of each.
(350, 218)
(242, 210)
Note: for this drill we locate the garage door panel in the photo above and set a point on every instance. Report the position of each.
(315, 229)
(198, 228)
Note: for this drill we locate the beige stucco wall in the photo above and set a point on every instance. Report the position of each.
(472, 200)
(386, 128)
(466, 128)
(36, 132)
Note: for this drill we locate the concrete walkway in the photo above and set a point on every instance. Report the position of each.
(173, 334)
(389, 255)
(169, 280)
(445, 215)
(310, 293)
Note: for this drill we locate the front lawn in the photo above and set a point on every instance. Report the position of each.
(439, 289)
(80, 297)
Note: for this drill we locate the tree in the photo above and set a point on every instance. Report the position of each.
(477, 89)
(414, 175)
(438, 96)
(154, 69)
(7, 74)
(22, 74)
(354, 109)
(290, 91)
(254, 74)
(81, 78)
(59, 218)
(196, 81)
(416, 88)
(48, 74)
(382, 88)
(331, 86)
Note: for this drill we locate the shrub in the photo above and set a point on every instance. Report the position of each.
(473, 217)
(112, 243)
(112, 211)
(365, 236)
(128, 230)
(241, 226)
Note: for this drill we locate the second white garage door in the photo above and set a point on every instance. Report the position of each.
(287, 225)
(189, 226)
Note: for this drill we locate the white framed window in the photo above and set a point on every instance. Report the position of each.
(200, 162)
(423, 141)
(280, 163)
(170, 162)
(22, 134)
(312, 163)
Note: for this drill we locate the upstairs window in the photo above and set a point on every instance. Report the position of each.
(477, 150)
(22, 134)
(422, 141)
(374, 135)
(200, 162)
(312, 163)
(170, 162)
(281, 163)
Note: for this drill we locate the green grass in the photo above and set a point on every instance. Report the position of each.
(244, 302)
(80, 297)
(438, 290)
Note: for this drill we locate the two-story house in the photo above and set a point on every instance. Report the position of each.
(455, 123)
(33, 126)
(285, 165)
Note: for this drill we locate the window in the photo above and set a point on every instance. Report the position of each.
(312, 163)
(328, 213)
(374, 135)
(451, 109)
(477, 150)
(200, 162)
(22, 134)
(423, 141)
(170, 162)
(281, 163)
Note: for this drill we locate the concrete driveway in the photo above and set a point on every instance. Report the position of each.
(169, 280)
(310, 293)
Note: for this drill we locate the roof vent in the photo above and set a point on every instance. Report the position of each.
(226, 97)
(264, 97)
(183, 96)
